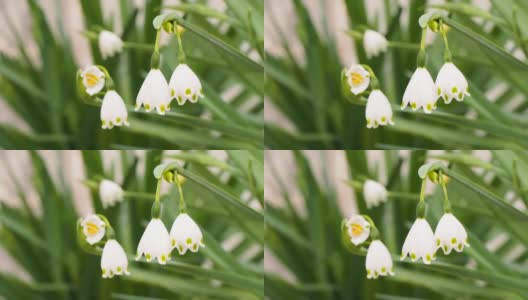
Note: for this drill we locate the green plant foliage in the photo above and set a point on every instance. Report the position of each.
(309, 245)
(44, 95)
(308, 93)
(230, 266)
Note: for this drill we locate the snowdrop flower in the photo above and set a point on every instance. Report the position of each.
(114, 260)
(113, 111)
(185, 85)
(109, 44)
(358, 229)
(154, 93)
(379, 260)
(451, 83)
(374, 43)
(374, 193)
(420, 242)
(421, 91)
(450, 234)
(379, 110)
(110, 193)
(358, 79)
(155, 242)
(185, 234)
(93, 80)
(93, 228)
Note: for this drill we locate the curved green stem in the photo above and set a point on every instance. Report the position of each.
(374, 232)
(374, 82)
(421, 60)
(182, 206)
(156, 206)
(420, 208)
(447, 53)
(181, 53)
(447, 204)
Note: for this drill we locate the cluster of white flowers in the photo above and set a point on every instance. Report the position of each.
(155, 92)
(113, 108)
(114, 260)
(422, 243)
(423, 92)
(157, 243)
(379, 260)
(379, 110)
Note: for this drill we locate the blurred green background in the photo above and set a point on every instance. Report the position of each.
(307, 197)
(45, 47)
(38, 249)
(308, 44)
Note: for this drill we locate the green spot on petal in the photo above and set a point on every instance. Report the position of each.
(188, 91)
(453, 241)
(454, 90)
(189, 241)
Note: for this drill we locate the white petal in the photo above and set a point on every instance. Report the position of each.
(374, 43)
(450, 234)
(185, 85)
(154, 93)
(378, 110)
(378, 261)
(114, 260)
(93, 80)
(374, 193)
(185, 234)
(358, 229)
(155, 242)
(419, 242)
(110, 193)
(420, 92)
(93, 228)
(109, 44)
(113, 111)
(451, 83)
(358, 79)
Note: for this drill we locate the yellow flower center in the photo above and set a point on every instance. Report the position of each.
(91, 79)
(356, 229)
(357, 78)
(92, 228)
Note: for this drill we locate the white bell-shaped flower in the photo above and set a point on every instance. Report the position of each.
(450, 234)
(374, 43)
(93, 80)
(93, 228)
(114, 260)
(185, 85)
(358, 79)
(379, 110)
(110, 193)
(113, 111)
(379, 260)
(420, 92)
(419, 242)
(358, 229)
(185, 234)
(109, 44)
(154, 93)
(155, 242)
(451, 83)
(374, 193)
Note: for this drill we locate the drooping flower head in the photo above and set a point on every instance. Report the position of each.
(419, 242)
(379, 260)
(420, 92)
(113, 111)
(451, 83)
(358, 229)
(358, 79)
(450, 234)
(154, 93)
(185, 234)
(94, 229)
(185, 85)
(374, 193)
(109, 44)
(114, 260)
(110, 193)
(93, 80)
(379, 110)
(374, 43)
(155, 242)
